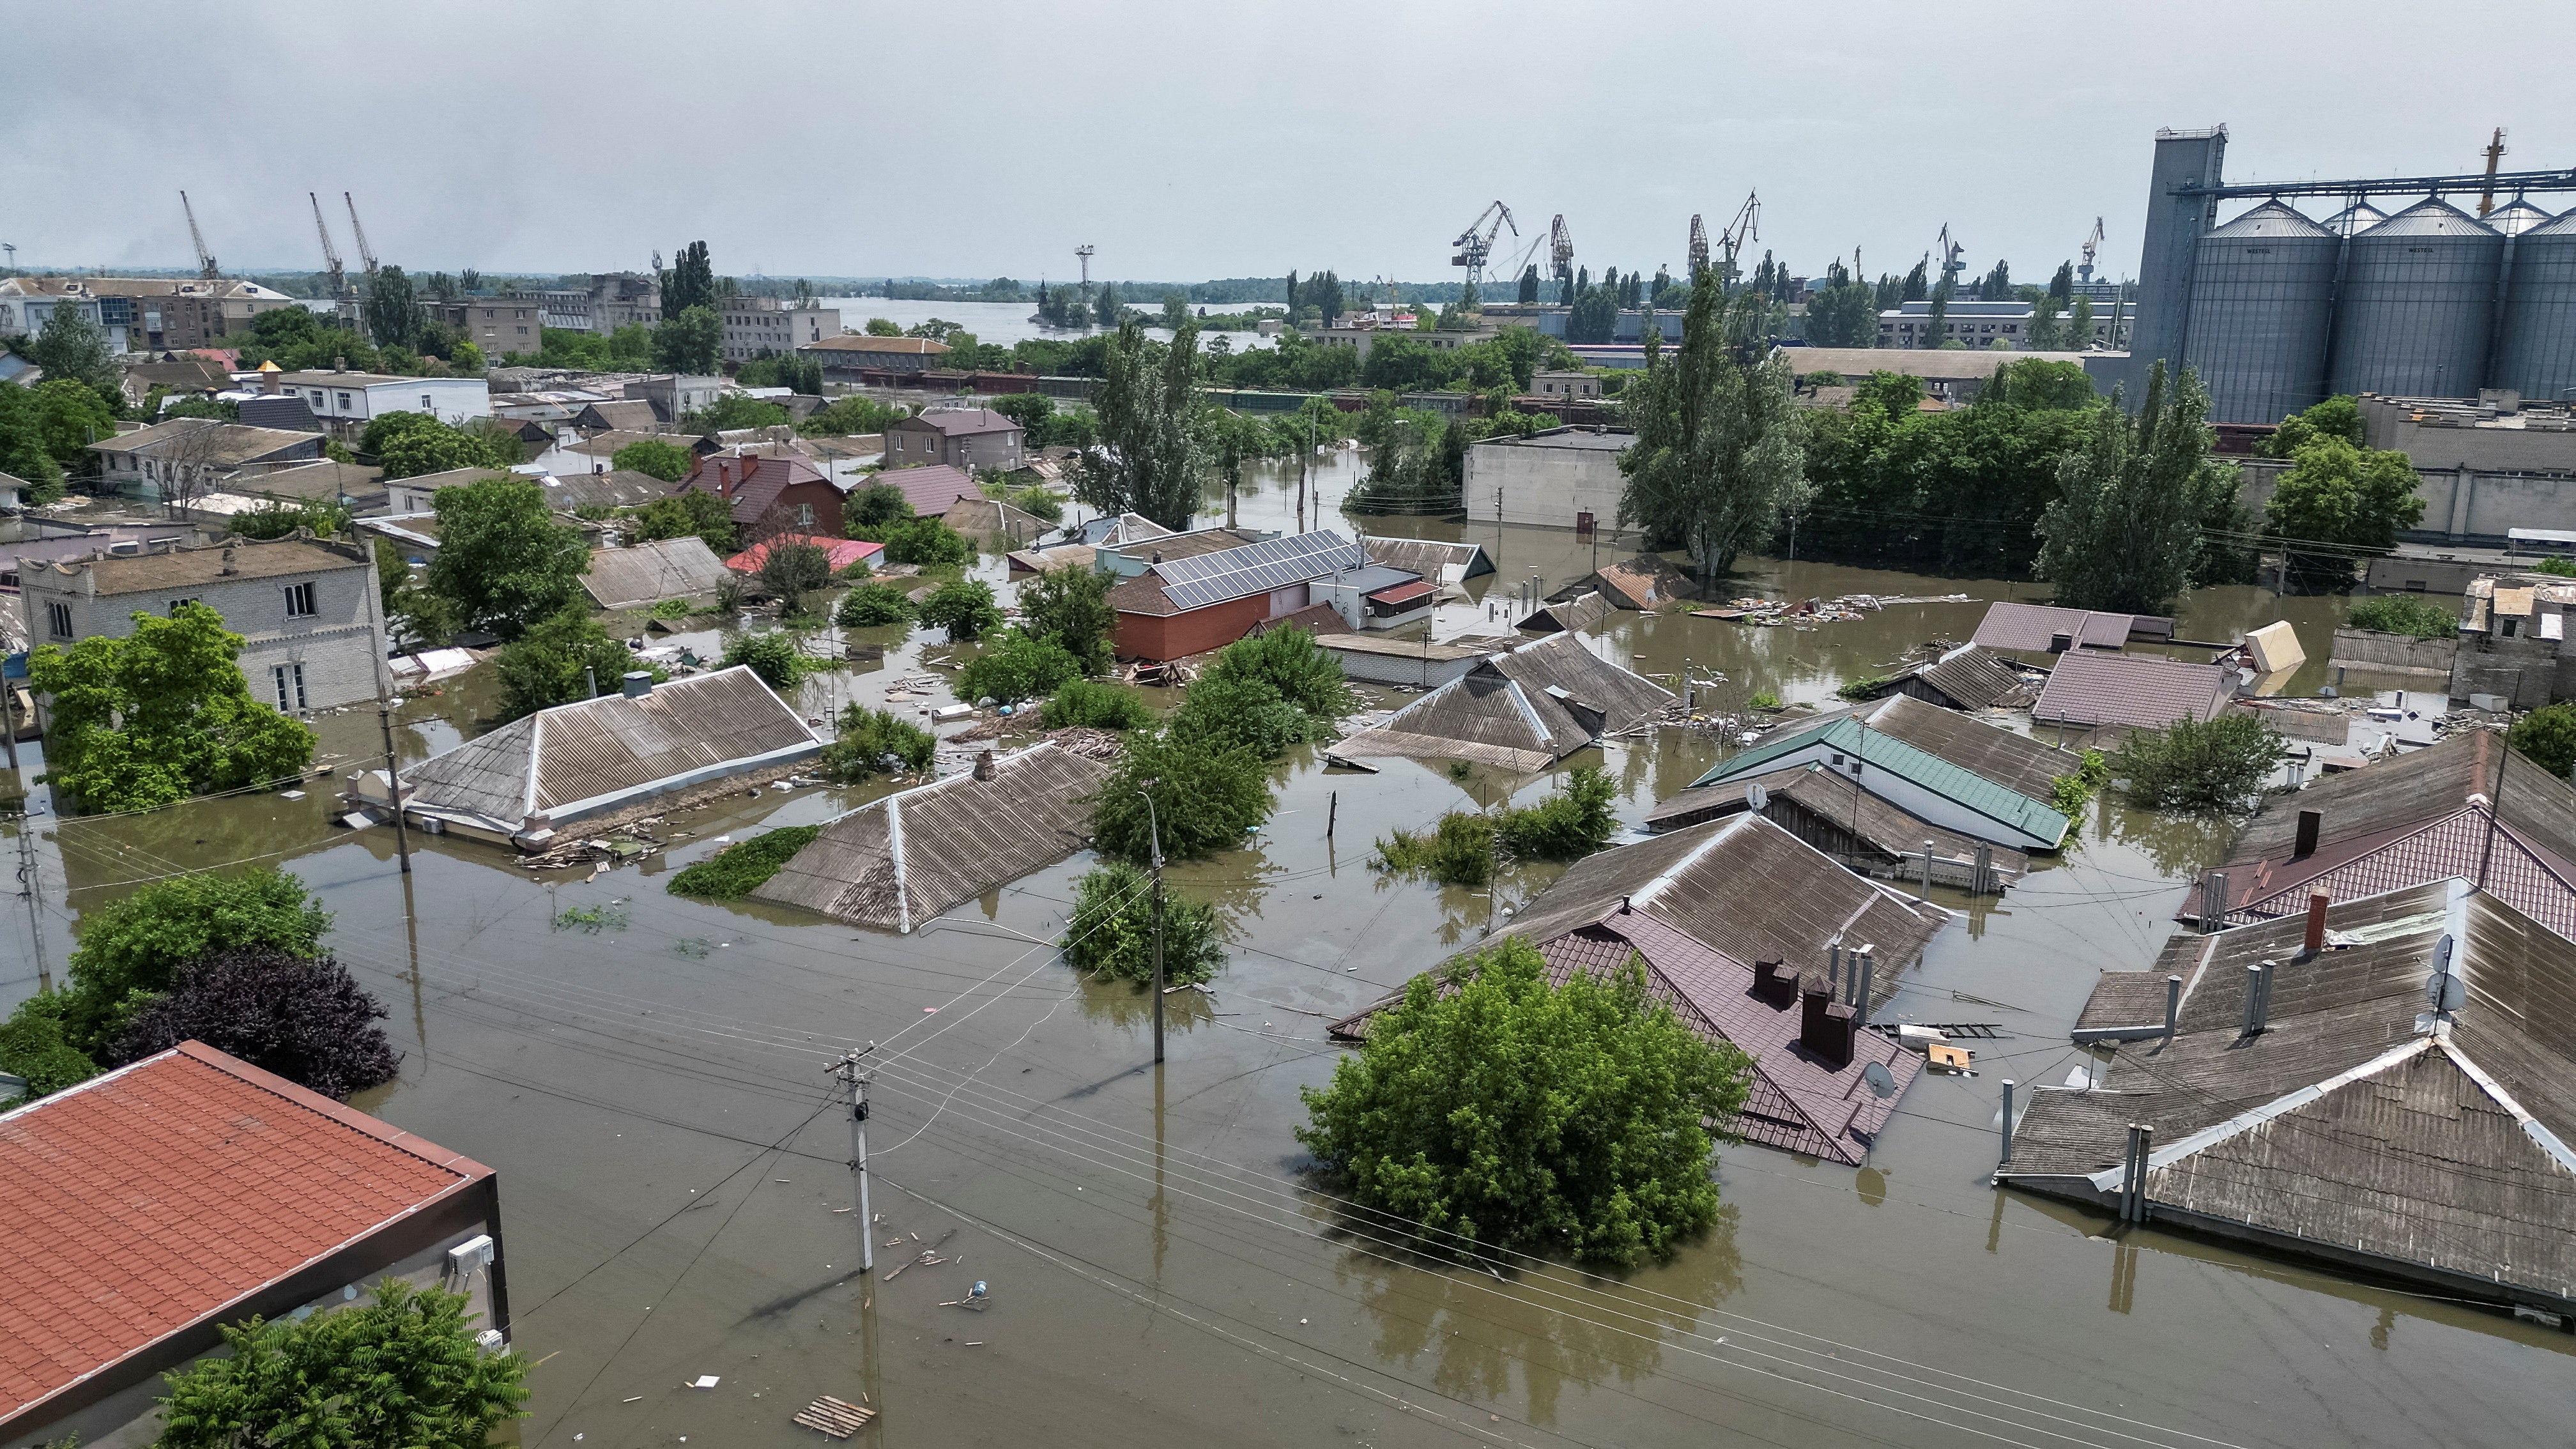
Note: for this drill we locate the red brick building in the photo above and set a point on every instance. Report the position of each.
(1184, 606)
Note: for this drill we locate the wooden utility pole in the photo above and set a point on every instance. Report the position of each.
(30, 875)
(1154, 829)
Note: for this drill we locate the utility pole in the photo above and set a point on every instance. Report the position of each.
(1154, 828)
(30, 877)
(393, 784)
(1304, 460)
(847, 1070)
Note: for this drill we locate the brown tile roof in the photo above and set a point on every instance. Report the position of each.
(858, 343)
(1969, 677)
(755, 481)
(154, 1198)
(208, 563)
(1523, 709)
(957, 422)
(2144, 691)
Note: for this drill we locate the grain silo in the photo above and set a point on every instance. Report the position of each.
(2516, 217)
(2417, 299)
(2262, 299)
(2536, 356)
(2360, 216)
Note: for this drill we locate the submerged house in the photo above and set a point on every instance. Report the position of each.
(532, 779)
(1522, 709)
(2470, 806)
(1649, 581)
(1968, 677)
(1754, 939)
(897, 862)
(1182, 603)
(1945, 769)
(2388, 1085)
(670, 568)
(2139, 691)
(1572, 615)
(1860, 830)
(1448, 565)
(2046, 629)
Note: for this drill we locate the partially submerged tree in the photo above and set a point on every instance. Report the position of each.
(303, 1017)
(1157, 454)
(1069, 607)
(1111, 931)
(504, 562)
(1015, 666)
(1718, 457)
(2126, 532)
(161, 714)
(872, 742)
(681, 514)
(1507, 1115)
(1206, 793)
(963, 607)
(2191, 765)
(561, 660)
(792, 569)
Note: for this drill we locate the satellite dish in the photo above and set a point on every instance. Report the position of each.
(2445, 991)
(1879, 1079)
(1757, 798)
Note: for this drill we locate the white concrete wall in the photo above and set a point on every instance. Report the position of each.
(1546, 487)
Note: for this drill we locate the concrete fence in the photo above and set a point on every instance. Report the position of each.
(2393, 653)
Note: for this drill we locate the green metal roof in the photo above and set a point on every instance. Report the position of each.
(1974, 791)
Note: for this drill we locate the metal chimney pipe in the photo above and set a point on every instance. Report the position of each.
(2173, 1004)
(2250, 1019)
(1860, 995)
(1834, 966)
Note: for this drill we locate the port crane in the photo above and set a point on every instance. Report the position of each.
(205, 258)
(1746, 227)
(1698, 245)
(1950, 252)
(2494, 153)
(1560, 256)
(2092, 243)
(366, 253)
(1474, 246)
(330, 253)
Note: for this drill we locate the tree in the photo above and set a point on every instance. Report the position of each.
(160, 715)
(1915, 288)
(1016, 666)
(1158, 454)
(690, 341)
(392, 310)
(2218, 765)
(402, 1369)
(875, 508)
(1593, 318)
(1105, 307)
(1936, 323)
(1288, 659)
(2547, 737)
(1093, 704)
(736, 410)
(1529, 286)
(873, 605)
(793, 568)
(1176, 311)
(691, 281)
(1718, 457)
(681, 514)
(926, 542)
(414, 445)
(72, 348)
(874, 741)
(963, 607)
(883, 327)
(1206, 794)
(2336, 417)
(23, 454)
(1575, 821)
(2352, 499)
(69, 415)
(667, 461)
(562, 659)
(305, 1018)
(2061, 285)
(1504, 1114)
(1111, 930)
(1843, 312)
(1069, 608)
(773, 655)
(503, 561)
(850, 417)
(2125, 532)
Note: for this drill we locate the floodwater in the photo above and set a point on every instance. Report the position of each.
(654, 1095)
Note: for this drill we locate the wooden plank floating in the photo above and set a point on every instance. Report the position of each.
(835, 1417)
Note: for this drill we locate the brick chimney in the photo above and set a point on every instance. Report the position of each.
(1775, 984)
(1825, 1028)
(2316, 939)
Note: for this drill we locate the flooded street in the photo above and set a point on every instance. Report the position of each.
(652, 1089)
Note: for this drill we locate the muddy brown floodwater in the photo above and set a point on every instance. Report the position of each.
(653, 1092)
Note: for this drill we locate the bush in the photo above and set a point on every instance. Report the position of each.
(872, 605)
(33, 1047)
(1869, 688)
(1509, 1114)
(1763, 699)
(1568, 825)
(875, 507)
(1112, 930)
(1070, 606)
(743, 867)
(1092, 705)
(964, 608)
(2192, 766)
(703, 514)
(1245, 712)
(305, 1018)
(792, 569)
(566, 659)
(2556, 568)
(773, 656)
(1038, 503)
(866, 738)
(2071, 793)
(1015, 667)
(667, 461)
(2547, 737)
(1289, 660)
(925, 541)
(277, 520)
(1458, 851)
(1206, 795)
(2407, 614)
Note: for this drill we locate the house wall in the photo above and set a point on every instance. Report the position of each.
(498, 325)
(1542, 486)
(2462, 505)
(340, 648)
(1171, 636)
(917, 442)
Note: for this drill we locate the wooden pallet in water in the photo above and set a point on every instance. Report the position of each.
(834, 1417)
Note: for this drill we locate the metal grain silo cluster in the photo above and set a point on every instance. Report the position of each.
(2537, 354)
(2262, 305)
(2417, 305)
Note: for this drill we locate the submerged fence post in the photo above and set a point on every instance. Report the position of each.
(2004, 1160)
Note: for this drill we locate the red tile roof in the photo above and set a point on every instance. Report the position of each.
(156, 1197)
(1400, 593)
(843, 551)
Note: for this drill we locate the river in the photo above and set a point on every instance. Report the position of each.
(1008, 322)
(653, 1094)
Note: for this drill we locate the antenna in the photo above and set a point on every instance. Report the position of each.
(330, 253)
(366, 254)
(205, 258)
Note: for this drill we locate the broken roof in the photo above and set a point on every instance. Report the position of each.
(576, 759)
(1968, 677)
(1439, 560)
(1701, 906)
(2034, 627)
(1648, 581)
(1989, 773)
(897, 862)
(150, 1200)
(1576, 614)
(2437, 1143)
(1522, 709)
(2143, 691)
(623, 578)
(1883, 826)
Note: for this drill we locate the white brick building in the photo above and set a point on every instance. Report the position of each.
(307, 609)
(344, 402)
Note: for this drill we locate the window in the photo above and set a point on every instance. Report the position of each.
(299, 601)
(177, 604)
(344, 402)
(430, 405)
(58, 620)
(317, 397)
(805, 513)
(289, 679)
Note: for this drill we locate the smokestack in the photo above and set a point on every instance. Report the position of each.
(1825, 1028)
(2258, 999)
(2316, 940)
(638, 683)
(2310, 822)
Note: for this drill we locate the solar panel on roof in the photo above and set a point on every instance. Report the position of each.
(1213, 578)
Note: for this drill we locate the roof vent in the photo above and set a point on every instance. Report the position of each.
(639, 683)
(125, 548)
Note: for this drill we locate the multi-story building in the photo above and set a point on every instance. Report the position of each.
(676, 395)
(851, 357)
(1980, 324)
(141, 312)
(344, 402)
(772, 326)
(498, 325)
(613, 300)
(313, 632)
(963, 438)
(186, 456)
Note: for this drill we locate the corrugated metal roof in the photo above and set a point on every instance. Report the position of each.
(1574, 615)
(1252, 568)
(2031, 627)
(1523, 709)
(1880, 750)
(2432, 217)
(1974, 678)
(2274, 218)
(670, 568)
(1432, 558)
(2016, 762)
(1889, 828)
(2145, 691)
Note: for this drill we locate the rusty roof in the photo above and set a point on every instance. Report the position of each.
(2144, 691)
(897, 862)
(1648, 581)
(1971, 677)
(155, 1198)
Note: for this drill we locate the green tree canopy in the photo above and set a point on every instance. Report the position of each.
(2220, 765)
(873, 605)
(2547, 737)
(1111, 930)
(666, 461)
(876, 507)
(392, 309)
(1719, 455)
(546, 665)
(503, 561)
(772, 654)
(298, 339)
(1207, 793)
(160, 715)
(1158, 455)
(68, 417)
(738, 410)
(72, 348)
(963, 607)
(2336, 417)
(1509, 1115)
(23, 451)
(689, 340)
(681, 514)
(1016, 666)
(401, 1369)
(2352, 499)
(1069, 608)
(2125, 532)
(873, 741)
(690, 281)
(414, 445)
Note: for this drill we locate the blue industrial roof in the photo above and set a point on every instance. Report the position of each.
(2009, 807)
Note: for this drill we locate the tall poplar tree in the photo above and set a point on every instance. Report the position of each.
(2126, 532)
(1719, 454)
(1156, 455)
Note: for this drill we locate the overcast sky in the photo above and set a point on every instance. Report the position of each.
(1201, 139)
